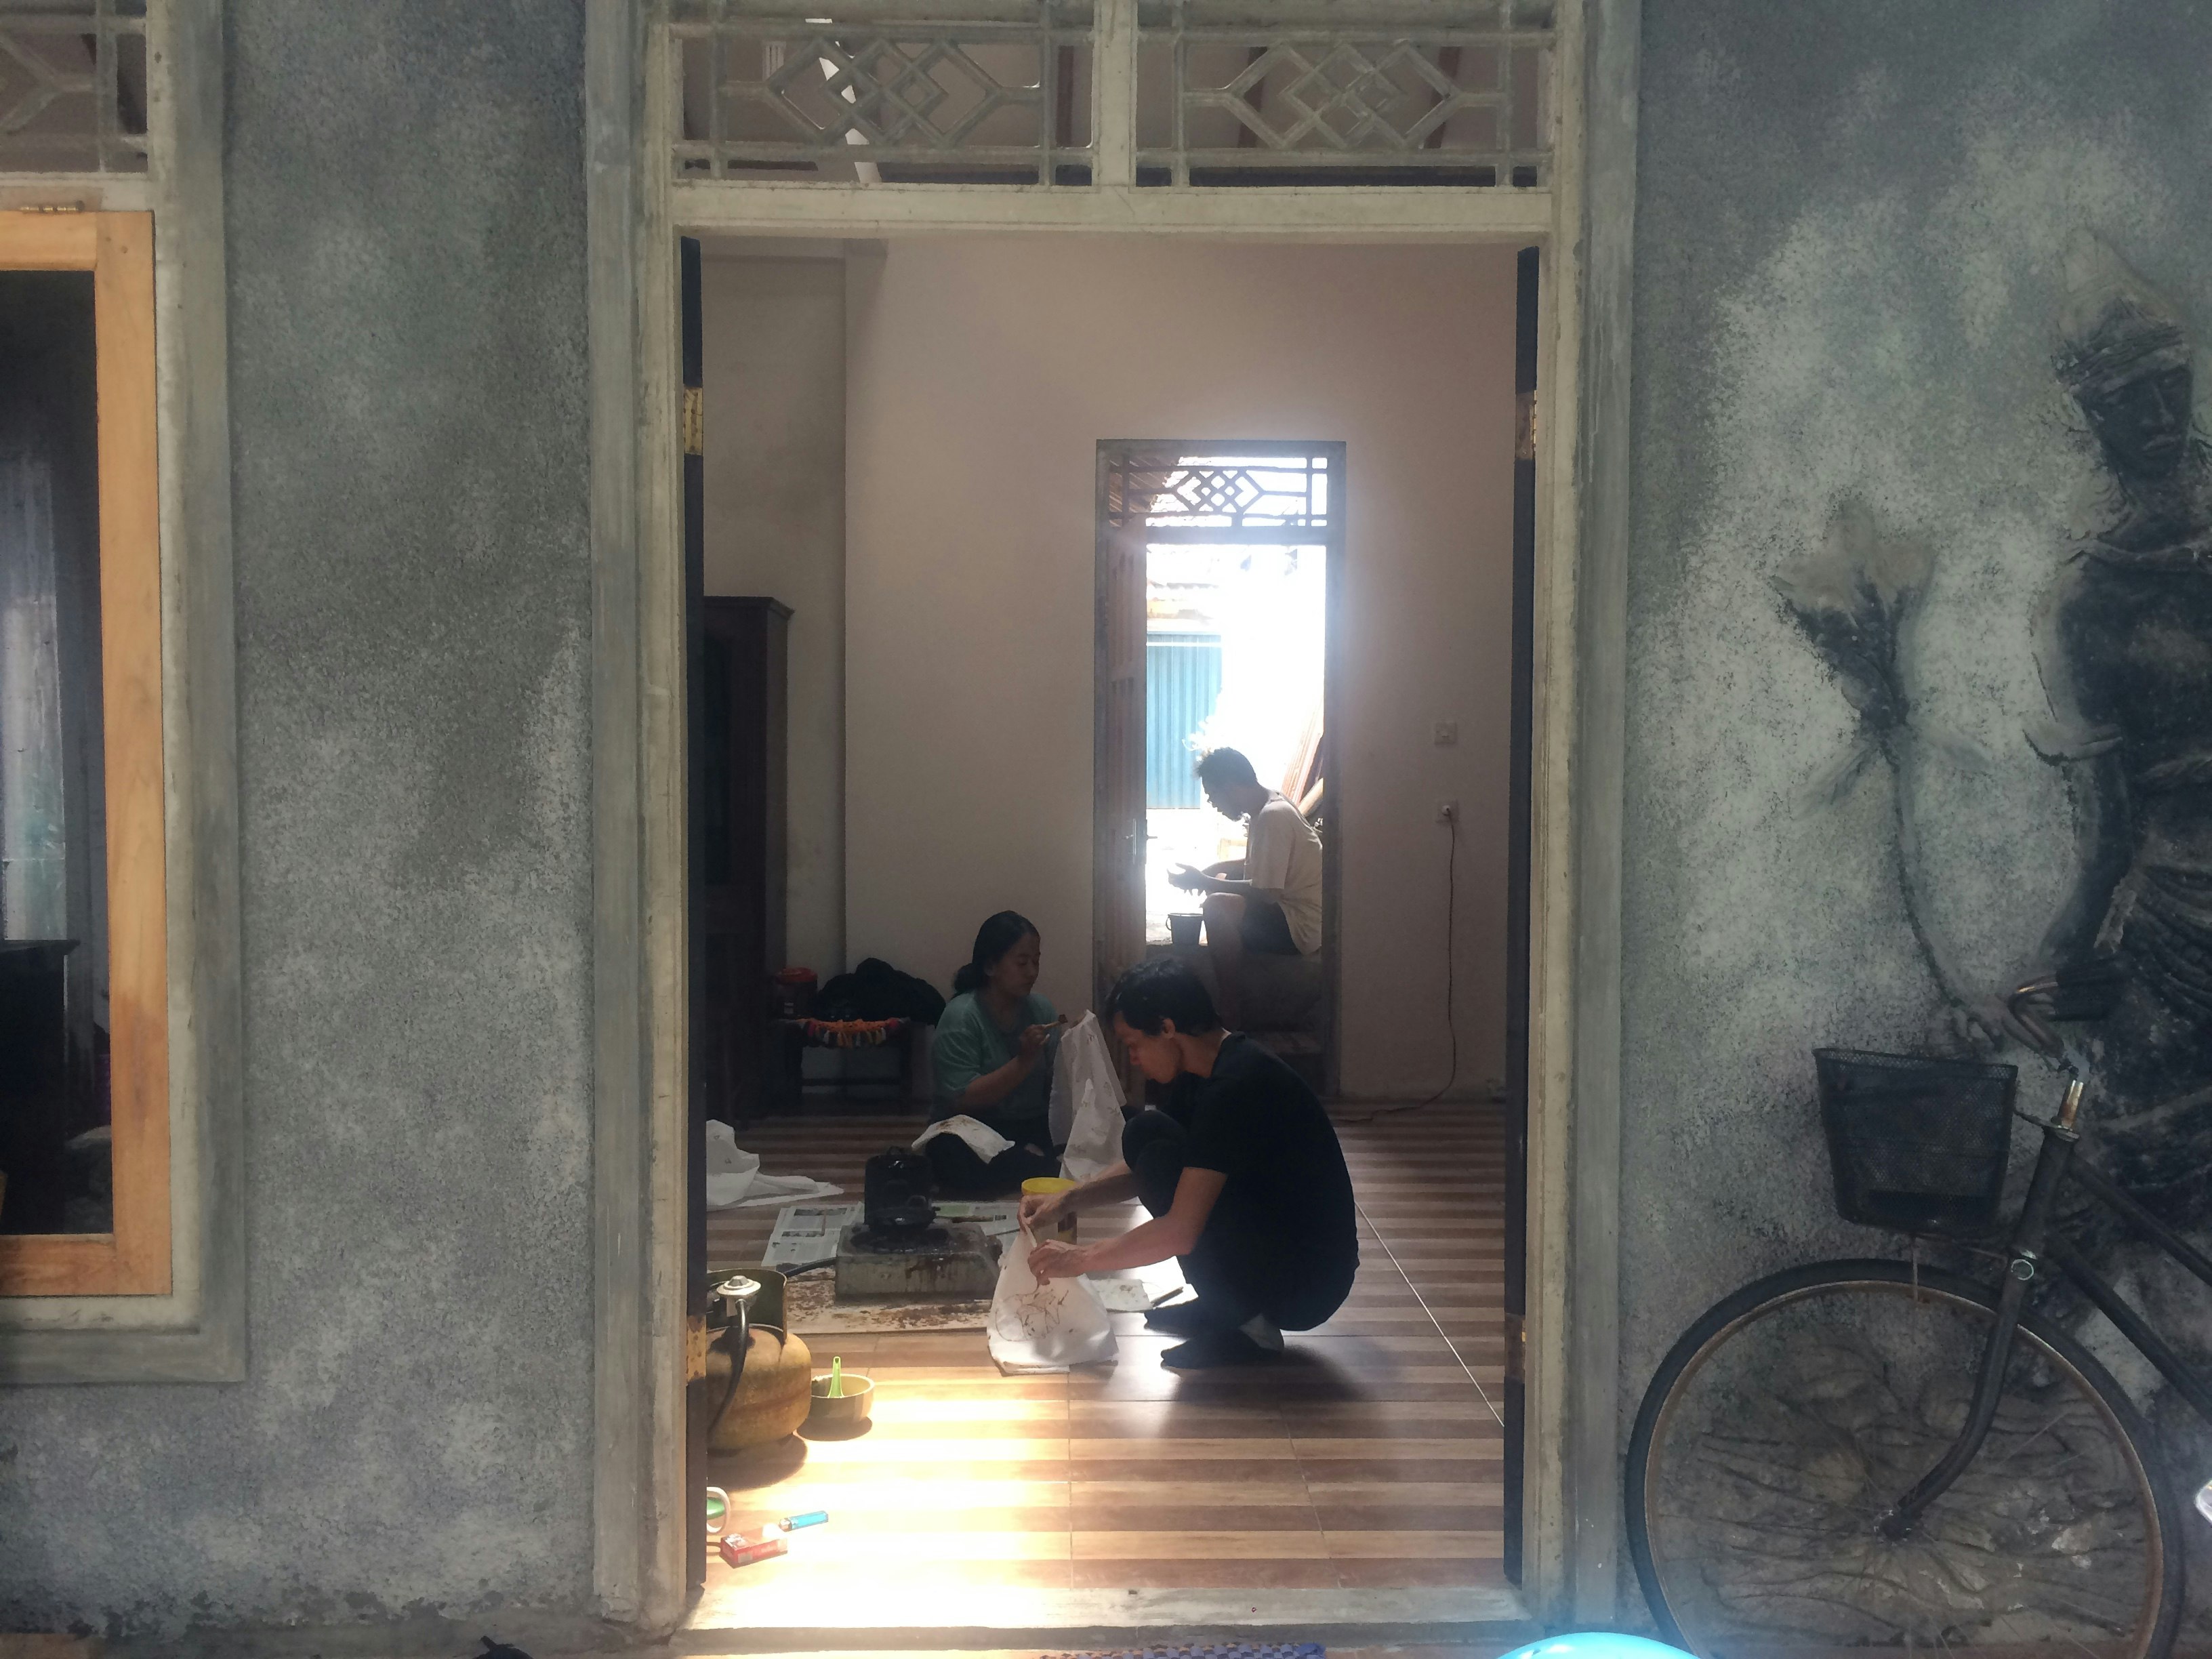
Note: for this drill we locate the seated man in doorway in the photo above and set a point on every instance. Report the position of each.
(1240, 1168)
(1267, 902)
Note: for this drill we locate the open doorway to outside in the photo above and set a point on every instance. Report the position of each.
(1227, 552)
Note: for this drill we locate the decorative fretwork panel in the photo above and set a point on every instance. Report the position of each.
(73, 86)
(1457, 100)
(1240, 497)
(1005, 100)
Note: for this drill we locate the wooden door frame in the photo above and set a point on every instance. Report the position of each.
(1583, 226)
(1335, 541)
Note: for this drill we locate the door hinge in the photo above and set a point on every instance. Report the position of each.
(1524, 428)
(695, 420)
(695, 1349)
(1516, 1348)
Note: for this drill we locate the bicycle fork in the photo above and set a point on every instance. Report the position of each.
(2025, 1263)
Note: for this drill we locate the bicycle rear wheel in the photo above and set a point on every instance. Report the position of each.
(1790, 1419)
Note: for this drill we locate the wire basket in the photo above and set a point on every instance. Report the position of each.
(1917, 1146)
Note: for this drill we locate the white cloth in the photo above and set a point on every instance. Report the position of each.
(982, 1140)
(1037, 1326)
(734, 1180)
(1282, 857)
(1086, 1102)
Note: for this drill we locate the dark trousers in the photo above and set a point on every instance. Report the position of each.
(1246, 1261)
(961, 1173)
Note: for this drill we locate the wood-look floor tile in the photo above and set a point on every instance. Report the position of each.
(1368, 1449)
(900, 1500)
(1414, 1545)
(1138, 1469)
(1244, 1575)
(849, 1521)
(1284, 1488)
(1192, 1450)
(1139, 1518)
(1484, 1518)
(1366, 1437)
(1160, 1544)
(884, 1580)
(1420, 1575)
(1321, 1489)
(1172, 1420)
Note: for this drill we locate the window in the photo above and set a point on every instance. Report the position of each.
(84, 1094)
(122, 1240)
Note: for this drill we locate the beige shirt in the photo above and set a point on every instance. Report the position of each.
(1282, 859)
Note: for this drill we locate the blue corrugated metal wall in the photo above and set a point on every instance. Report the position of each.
(1182, 682)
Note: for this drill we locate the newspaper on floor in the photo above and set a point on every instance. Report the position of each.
(808, 1232)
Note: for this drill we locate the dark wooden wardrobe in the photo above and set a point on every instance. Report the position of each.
(743, 768)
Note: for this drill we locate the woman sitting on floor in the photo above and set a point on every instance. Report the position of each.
(993, 1054)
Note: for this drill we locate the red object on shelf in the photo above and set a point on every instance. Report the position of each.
(794, 992)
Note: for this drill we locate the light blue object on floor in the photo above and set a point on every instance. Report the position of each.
(1597, 1644)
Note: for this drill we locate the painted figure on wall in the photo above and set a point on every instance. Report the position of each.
(2124, 646)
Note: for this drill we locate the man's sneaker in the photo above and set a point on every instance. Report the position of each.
(1181, 1318)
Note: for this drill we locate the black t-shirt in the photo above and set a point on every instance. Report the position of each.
(1255, 1121)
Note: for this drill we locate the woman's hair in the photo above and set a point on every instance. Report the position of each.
(993, 940)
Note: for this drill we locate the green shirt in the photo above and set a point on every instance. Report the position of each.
(971, 1044)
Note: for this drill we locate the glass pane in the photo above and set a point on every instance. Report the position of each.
(53, 855)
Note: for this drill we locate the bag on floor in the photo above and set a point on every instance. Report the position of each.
(1037, 1326)
(1086, 1102)
(731, 1170)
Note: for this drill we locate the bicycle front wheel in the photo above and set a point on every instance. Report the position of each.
(1790, 1419)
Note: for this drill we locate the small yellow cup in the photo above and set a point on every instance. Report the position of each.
(1066, 1231)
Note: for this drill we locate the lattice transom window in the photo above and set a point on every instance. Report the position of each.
(1145, 92)
(1226, 94)
(1002, 101)
(1220, 497)
(73, 87)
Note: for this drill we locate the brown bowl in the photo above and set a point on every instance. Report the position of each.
(847, 1413)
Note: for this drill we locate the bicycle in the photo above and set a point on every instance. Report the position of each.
(1877, 1454)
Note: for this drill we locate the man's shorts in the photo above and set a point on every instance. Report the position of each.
(1266, 929)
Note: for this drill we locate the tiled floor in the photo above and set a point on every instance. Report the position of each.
(1366, 1460)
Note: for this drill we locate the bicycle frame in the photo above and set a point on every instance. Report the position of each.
(2027, 1250)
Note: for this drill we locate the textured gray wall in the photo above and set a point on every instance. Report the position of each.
(1848, 281)
(406, 259)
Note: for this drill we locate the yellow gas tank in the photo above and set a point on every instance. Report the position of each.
(773, 1393)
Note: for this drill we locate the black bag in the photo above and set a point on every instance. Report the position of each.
(876, 990)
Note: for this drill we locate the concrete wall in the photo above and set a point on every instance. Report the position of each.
(405, 245)
(982, 375)
(1851, 218)
(776, 525)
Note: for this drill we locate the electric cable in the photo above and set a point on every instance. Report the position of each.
(1451, 982)
(1482, 1393)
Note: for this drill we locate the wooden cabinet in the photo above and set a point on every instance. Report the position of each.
(744, 767)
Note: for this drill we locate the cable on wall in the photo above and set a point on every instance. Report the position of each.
(1451, 982)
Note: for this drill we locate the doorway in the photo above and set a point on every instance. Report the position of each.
(887, 390)
(1216, 561)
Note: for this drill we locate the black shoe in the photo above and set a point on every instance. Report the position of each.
(1181, 1319)
(1213, 1348)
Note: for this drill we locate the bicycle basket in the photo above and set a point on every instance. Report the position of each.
(1917, 1146)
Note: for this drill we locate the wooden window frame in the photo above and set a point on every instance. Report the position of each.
(195, 1329)
(134, 1260)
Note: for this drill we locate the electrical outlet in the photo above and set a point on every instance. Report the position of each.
(1447, 811)
(1446, 733)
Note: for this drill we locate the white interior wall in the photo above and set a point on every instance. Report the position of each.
(982, 374)
(774, 342)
